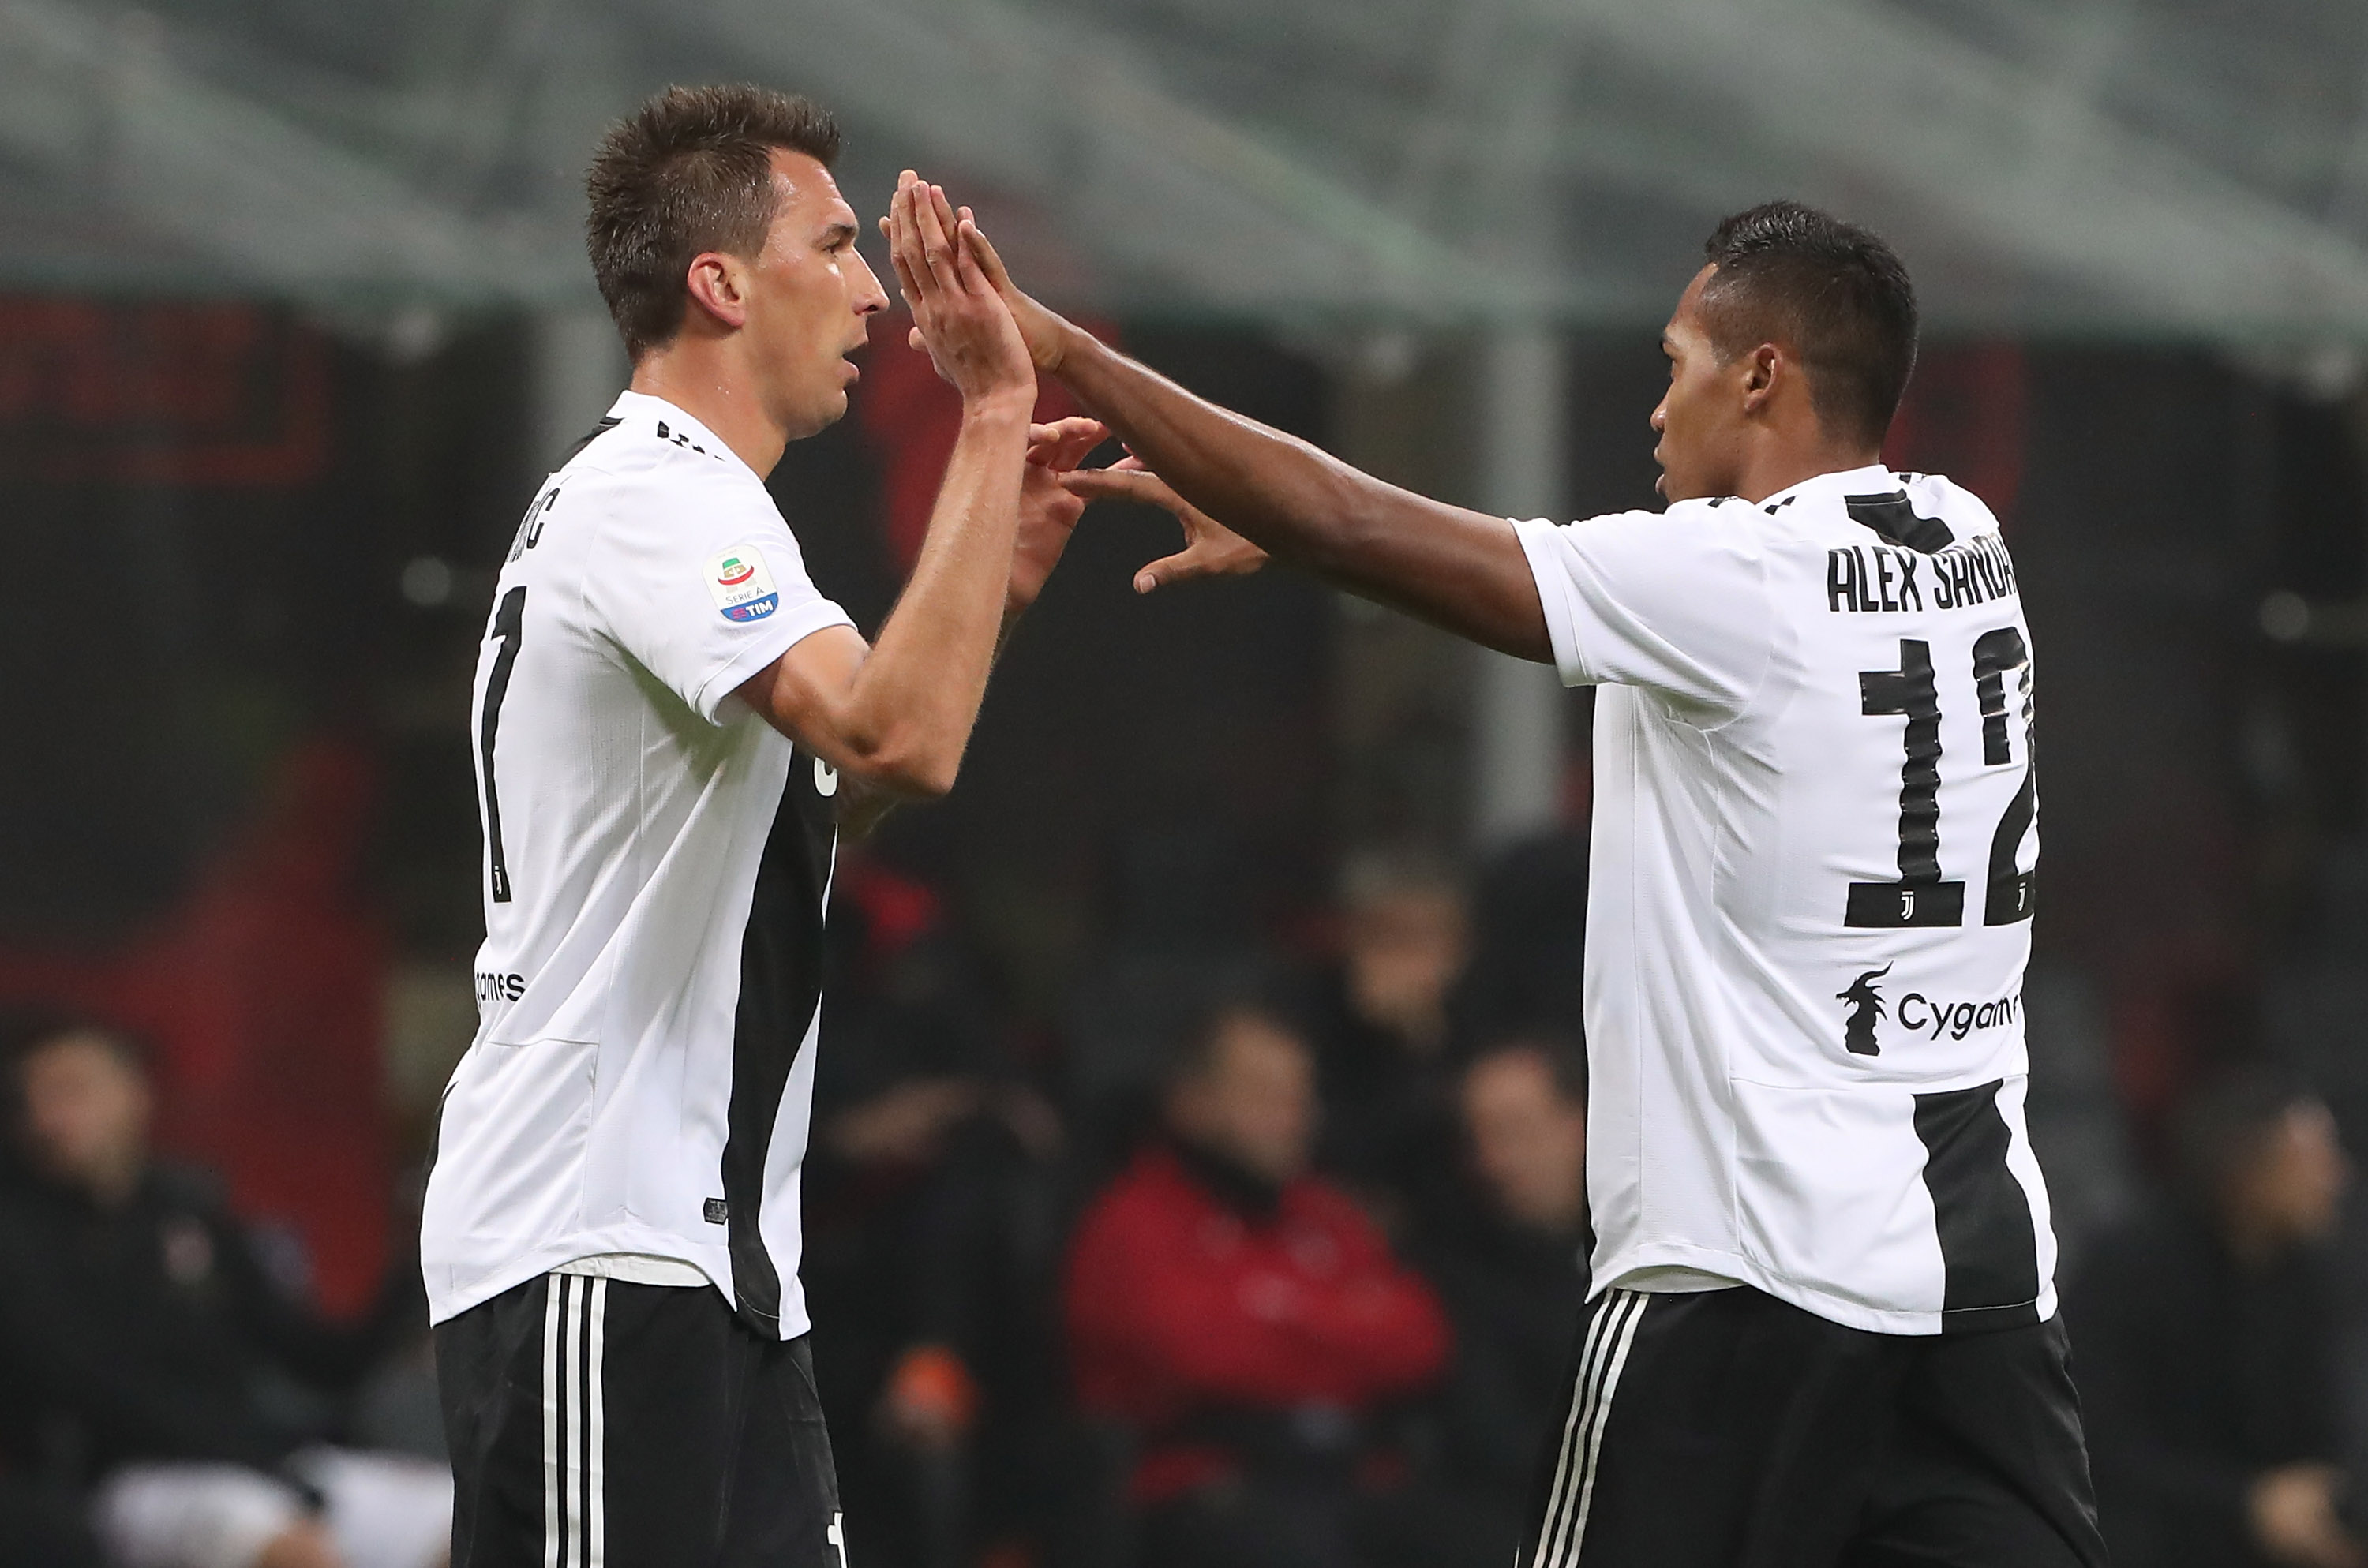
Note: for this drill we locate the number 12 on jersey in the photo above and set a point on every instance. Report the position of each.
(1913, 691)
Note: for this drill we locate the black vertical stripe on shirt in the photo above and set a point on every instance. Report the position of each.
(1990, 1250)
(780, 988)
(607, 422)
(1893, 519)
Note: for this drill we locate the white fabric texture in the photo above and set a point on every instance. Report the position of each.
(1759, 1030)
(635, 1268)
(381, 1510)
(628, 799)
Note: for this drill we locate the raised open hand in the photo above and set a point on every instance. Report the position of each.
(959, 317)
(1210, 549)
(1048, 511)
(1045, 332)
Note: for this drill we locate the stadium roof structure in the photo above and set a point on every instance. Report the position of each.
(2186, 168)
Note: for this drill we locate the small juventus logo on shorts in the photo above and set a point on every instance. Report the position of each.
(836, 1536)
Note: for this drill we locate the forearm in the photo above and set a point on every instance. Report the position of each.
(1295, 502)
(917, 693)
(1461, 570)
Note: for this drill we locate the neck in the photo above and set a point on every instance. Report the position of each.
(1777, 467)
(1252, 1194)
(111, 1184)
(700, 377)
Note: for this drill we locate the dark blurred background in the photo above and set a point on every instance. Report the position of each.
(293, 316)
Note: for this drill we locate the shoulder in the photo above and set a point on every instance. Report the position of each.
(1922, 511)
(1937, 496)
(1151, 1184)
(632, 462)
(1709, 532)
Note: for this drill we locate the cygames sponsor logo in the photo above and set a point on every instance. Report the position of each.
(1956, 1020)
(492, 987)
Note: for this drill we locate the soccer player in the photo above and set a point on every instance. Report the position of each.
(1824, 1328)
(670, 721)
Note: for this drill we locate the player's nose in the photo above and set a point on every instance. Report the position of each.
(871, 299)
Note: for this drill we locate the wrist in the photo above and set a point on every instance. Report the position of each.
(1066, 348)
(1001, 405)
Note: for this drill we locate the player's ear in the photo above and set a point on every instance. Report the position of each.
(1762, 368)
(718, 285)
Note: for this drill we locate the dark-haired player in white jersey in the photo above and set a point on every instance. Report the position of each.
(668, 720)
(1825, 1330)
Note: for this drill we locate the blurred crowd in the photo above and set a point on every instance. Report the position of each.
(1261, 1258)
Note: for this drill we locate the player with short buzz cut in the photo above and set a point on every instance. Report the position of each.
(1824, 1331)
(670, 722)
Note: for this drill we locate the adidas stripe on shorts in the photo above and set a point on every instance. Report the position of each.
(1727, 1429)
(596, 1423)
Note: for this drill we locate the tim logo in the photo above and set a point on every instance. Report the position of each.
(1866, 1012)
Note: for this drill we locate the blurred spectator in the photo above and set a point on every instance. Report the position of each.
(1510, 1264)
(1529, 946)
(1245, 1321)
(2206, 1338)
(930, 1242)
(1383, 1028)
(162, 1360)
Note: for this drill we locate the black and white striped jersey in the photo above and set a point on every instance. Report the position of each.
(1814, 837)
(657, 865)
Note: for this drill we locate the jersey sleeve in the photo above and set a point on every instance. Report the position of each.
(1675, 602)
(703, 585)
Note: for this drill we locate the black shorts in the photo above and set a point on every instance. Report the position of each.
(1726, 1429)
(595, 1423)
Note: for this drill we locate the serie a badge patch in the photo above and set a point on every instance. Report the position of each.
(741, 584)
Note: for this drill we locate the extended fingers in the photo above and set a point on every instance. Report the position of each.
(936, 238)
(1063, 444)
(904, 240)
(1119, 485)
(988, 261)
(1167, 569)
(1082, 435)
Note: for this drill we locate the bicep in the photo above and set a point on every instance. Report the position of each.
(805, 692)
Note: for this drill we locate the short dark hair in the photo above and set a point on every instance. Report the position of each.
(1835, 294)
(689, 171)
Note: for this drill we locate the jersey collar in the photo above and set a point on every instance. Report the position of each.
(679, 428)
(1873, 480)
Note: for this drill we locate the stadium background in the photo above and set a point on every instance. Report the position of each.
(293, 312)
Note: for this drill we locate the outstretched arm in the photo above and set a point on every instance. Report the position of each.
(1462, 570)
(897, 717)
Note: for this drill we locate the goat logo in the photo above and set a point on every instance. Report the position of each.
(1866, 1012)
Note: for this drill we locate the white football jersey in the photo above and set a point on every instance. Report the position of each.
(1809, 908)
(657, 864)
